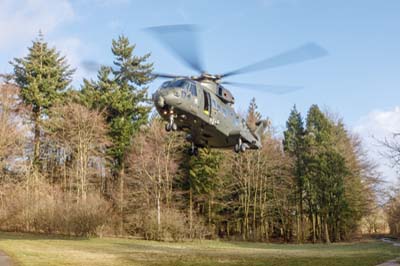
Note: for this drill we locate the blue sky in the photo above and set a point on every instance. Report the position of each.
(359, 80)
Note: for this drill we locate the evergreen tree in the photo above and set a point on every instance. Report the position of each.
(42, 76)
(325, 173)
(202, 179)
(293, 145)
(121, 91)
(253, 115)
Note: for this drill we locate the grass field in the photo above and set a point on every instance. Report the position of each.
(26, 249)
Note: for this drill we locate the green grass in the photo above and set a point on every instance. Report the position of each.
(26, 249)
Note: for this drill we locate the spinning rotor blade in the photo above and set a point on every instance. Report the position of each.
(182, 41)
(275, 89)
(167, 76)
(303, 53)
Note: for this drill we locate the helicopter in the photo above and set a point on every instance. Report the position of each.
(201, 105)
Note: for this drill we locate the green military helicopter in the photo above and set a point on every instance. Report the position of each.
(201, 106)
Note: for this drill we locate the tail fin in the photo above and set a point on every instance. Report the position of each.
(261, 127)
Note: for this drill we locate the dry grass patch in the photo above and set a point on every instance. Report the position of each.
(34, 250)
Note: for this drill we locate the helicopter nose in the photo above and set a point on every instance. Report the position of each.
(169, 97)
(158, 99)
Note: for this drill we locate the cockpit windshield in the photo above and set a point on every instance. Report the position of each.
(188, 87)
(165, 84)
(180, 83)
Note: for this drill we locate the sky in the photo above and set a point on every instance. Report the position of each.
(359, 79)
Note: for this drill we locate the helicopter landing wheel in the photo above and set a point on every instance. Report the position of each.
(237, 148)
(243, 147)
(193, 151)
(174, 127)
(240, 146)
(169, 127)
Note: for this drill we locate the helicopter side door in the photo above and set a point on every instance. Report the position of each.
(207, 103)
(215, 111)
(191, 92)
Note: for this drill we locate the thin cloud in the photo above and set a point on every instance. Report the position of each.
(74, 50)
(375, 127)
(21, 20)
(107, 3)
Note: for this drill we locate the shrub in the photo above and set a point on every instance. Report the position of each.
(174, 225)
(50, 210)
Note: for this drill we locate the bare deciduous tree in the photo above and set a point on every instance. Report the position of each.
(80, 136)
(392, 147)
(11, 129)
(152, 165)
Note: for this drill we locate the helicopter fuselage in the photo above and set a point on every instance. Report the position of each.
(198, 108)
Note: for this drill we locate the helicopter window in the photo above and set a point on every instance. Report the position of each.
(207, 107)
(177, 83)
(165, 84)
(193, 89)
(236, 122)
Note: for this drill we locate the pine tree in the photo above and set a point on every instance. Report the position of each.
(42, 76)
(121, 91)
(202, 179)
(253, 115)
(325, 173)
(293, 144)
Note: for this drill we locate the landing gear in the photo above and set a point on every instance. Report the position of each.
(240, 146)
(237, 148)
(193, 150)
(171, 125)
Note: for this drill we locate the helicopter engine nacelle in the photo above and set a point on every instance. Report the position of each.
(225, 95)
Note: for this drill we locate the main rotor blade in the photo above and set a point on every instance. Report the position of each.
(303, 53)
(182, 40)
(168, 76)
(275, 89)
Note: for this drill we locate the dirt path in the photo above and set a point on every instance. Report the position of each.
(4, 259)
(392, 262)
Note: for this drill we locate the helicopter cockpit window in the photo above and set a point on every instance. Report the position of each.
(193, 89)
(220, 90)
(236, 121)
(177, 83)
(165, 84)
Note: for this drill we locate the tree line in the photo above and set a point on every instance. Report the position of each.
(97, 161)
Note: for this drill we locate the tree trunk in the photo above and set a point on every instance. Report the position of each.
(121, 197)
(158, 202)
(314, 227)
(301, 216)
(210, 203)
(191, 212)
(298, 224)
(36, 140)
(327, 240)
